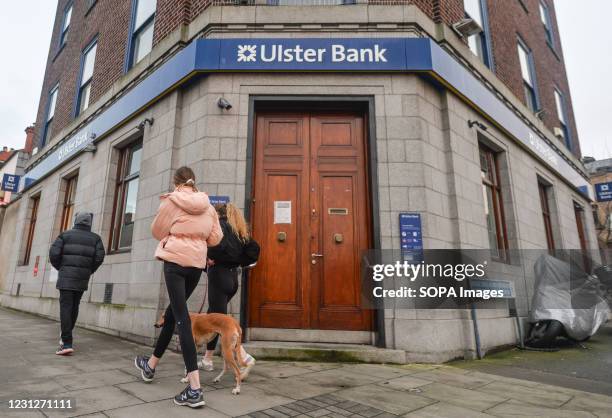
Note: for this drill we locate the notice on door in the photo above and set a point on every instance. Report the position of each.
(282, 211)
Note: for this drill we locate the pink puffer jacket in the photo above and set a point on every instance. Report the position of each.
(186, 225)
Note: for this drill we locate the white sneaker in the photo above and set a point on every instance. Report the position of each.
(206, 364)
(250, 362)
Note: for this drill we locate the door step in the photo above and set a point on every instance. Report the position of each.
(321, 352)
(310, 335)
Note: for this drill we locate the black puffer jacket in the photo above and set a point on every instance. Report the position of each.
(77, 254)
(229, 251)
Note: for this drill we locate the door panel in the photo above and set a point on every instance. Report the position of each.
(308, 275)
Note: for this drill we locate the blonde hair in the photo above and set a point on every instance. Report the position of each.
(235, 219)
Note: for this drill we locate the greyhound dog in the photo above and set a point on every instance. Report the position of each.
(205, 327)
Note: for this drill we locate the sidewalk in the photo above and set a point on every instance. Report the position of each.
(102, 381)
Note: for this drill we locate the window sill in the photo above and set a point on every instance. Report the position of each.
(122, 251)
(59, 51)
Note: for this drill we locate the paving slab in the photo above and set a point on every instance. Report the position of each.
(478, 401)
(92, 400)
(533, 395)
(392, 401)
(94, 379)
(446, 410)
(163, 409)
(294, 388)
(514, 408)
(598, 405)
(377, 370)
(405, 383)
(158, 389)
(250, 399)
(455, 377)
(340, 378)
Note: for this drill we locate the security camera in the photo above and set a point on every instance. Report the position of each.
(224, 104)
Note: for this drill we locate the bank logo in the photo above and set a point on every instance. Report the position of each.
(247, 53)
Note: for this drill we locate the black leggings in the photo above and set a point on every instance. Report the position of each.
(180, 282)
(222, 286)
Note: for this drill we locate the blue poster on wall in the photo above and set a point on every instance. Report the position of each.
(603, 191)
(219, 200)
(411, 237)
(10, 182)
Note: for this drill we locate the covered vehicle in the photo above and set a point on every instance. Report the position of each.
(566, 302)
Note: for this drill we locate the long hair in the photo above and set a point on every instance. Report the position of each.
(184, 176)
(235, 219)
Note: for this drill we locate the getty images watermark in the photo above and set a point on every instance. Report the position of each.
(484, 279)
(410, 271)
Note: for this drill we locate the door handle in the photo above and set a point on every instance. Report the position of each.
(316, 255)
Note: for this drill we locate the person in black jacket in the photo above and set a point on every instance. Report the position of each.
(223, 263)
(76, 254)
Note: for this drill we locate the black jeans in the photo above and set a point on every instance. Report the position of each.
(180, 282)
(69, 301)
(222, 286)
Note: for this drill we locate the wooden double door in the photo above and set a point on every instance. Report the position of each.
(311, 216)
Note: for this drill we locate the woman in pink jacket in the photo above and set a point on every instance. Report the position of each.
(186, 225)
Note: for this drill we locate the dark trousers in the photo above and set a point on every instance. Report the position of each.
(222, 286)
(180, 282)
(69, 301)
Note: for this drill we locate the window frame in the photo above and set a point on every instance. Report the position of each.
(68, 203)
(64, 31)
(120, 195)
(533, 103)
(501, 230)
(134, 32)
(484, 36)
(80, 85)
(546, 20)
(561, 106)
(543, 190)
(47, 122)
(35, 203)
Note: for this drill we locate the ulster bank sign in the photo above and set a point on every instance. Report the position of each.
(387, 54)
(337, 52)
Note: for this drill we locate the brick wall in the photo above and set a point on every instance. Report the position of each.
(109, 20)
(508, 19)
(170, 15)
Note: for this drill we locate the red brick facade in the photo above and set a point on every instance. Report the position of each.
(109, 20)
(508, 19)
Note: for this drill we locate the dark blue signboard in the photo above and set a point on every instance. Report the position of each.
(10, 182)
(603, 191)
(306, 54)
(355, 54)
(411, 237)
(219, 200)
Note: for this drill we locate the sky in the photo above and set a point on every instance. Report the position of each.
(585, 37)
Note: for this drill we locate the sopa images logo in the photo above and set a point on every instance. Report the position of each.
(247, 53)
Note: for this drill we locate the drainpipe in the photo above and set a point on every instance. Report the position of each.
(476, 333)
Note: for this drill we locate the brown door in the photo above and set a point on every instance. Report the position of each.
(311, 216)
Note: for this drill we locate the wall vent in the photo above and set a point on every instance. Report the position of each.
(18, 289)
(108, 293)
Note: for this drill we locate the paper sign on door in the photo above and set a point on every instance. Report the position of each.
(282, 211)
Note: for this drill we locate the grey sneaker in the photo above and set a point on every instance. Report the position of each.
(146, 372)
(192, 398)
